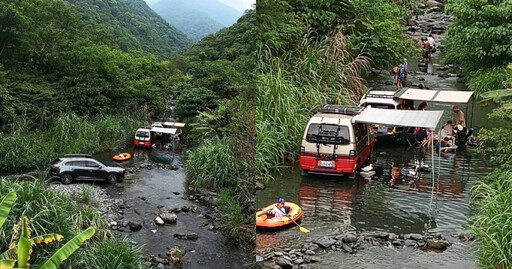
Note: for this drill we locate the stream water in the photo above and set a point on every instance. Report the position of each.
(386, 202)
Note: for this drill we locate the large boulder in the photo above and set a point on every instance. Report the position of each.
(284, 263)
(325, 242)
(169, 217)
(433, 3)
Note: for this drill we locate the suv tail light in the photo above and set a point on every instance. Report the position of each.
(352, 154)
(56, 166)
(302, 150)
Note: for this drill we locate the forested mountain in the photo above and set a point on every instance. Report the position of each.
(130, 24)
(196, 18)
(87, 57)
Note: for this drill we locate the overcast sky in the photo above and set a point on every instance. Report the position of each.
(241, 5)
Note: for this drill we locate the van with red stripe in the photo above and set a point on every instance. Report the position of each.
(334, 144)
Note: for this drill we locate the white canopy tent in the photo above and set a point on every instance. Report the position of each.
(170, 131)
(437, 96)
(402, 118)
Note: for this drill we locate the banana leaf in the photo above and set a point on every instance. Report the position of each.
(6, 264)
(65, 251)
(497, 93)
(23, 252)
(5, 206)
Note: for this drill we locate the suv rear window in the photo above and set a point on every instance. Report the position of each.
(328, 134)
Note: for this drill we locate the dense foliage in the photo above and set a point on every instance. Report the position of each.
(57, 59)
(316, 52)
(374, 27)
(213, 82)
(481, 41)
(50, 211)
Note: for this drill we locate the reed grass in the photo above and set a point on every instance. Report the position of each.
(113, 254)
(23, 147)
(293, 85)
(212, 165)
(493, 222)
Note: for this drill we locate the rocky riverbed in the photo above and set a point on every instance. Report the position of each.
(153, 208)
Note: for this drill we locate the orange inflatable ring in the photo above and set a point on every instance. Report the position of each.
(263, 222)
(122, 157)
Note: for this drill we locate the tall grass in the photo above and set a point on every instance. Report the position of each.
(493, 221)
(212, 165)
(292, 86)
(112, 254)
(23, 147)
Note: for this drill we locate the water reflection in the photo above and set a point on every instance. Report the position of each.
(387, 201)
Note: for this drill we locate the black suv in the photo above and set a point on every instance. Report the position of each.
(83, 167)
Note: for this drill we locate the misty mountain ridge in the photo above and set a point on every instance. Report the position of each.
(197, 18)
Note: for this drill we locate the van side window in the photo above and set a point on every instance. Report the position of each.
(360, 130)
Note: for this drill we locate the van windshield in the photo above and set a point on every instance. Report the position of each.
(328, 134)
(142, 134)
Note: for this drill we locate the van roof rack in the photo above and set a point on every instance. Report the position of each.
(78, 155)
(343, 110)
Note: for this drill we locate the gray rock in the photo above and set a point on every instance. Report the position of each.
(392, 236)
(299, 261)
(310, 252)
(414, 236)
(135, 226)
(159, 221)
(160, 266)
(259, 258)
(349, 238)
(325, 242)
(278, 253)
(432, 3)
(438, 244)
(347, 248)
(169, 217)
(311, 246)
(259, 186)
(410, 243)
(284, 263)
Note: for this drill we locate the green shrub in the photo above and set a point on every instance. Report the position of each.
(194, 100)
(113, 254)
(493, 222)
(50, 212)
(212, 165)
(489, 80)
(233, 217)
(23, 147)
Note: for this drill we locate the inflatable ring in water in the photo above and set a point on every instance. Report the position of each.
(271, 223)
(122, 157)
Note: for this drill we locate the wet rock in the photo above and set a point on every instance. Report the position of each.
(134, 226)
(299, 261)
(410, 243)
(392, 236)
(159, 221)
(284, 263)
(347, 248)
(185, 209)
(191, 236)
(438, 244)
(259, 258)
(169, 217)
(194, 209)
(278, 253)
(325, 242)
(268, 256)
(160, 266)
(432, 3)
(311, 246)
(421, 86)
(142, 198)
(259, 186)
(211, 228)
(349, 238)
(421, 79)
(310, 252)
(314, 259)
(153, 231)
(396, 242)
(413, 236)
(389, 82)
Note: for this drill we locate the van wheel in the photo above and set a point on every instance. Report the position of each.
(353, 176)
(304, 173)
(112, 179)
(66, 179)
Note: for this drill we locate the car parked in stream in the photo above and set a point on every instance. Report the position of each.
(74, 167)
